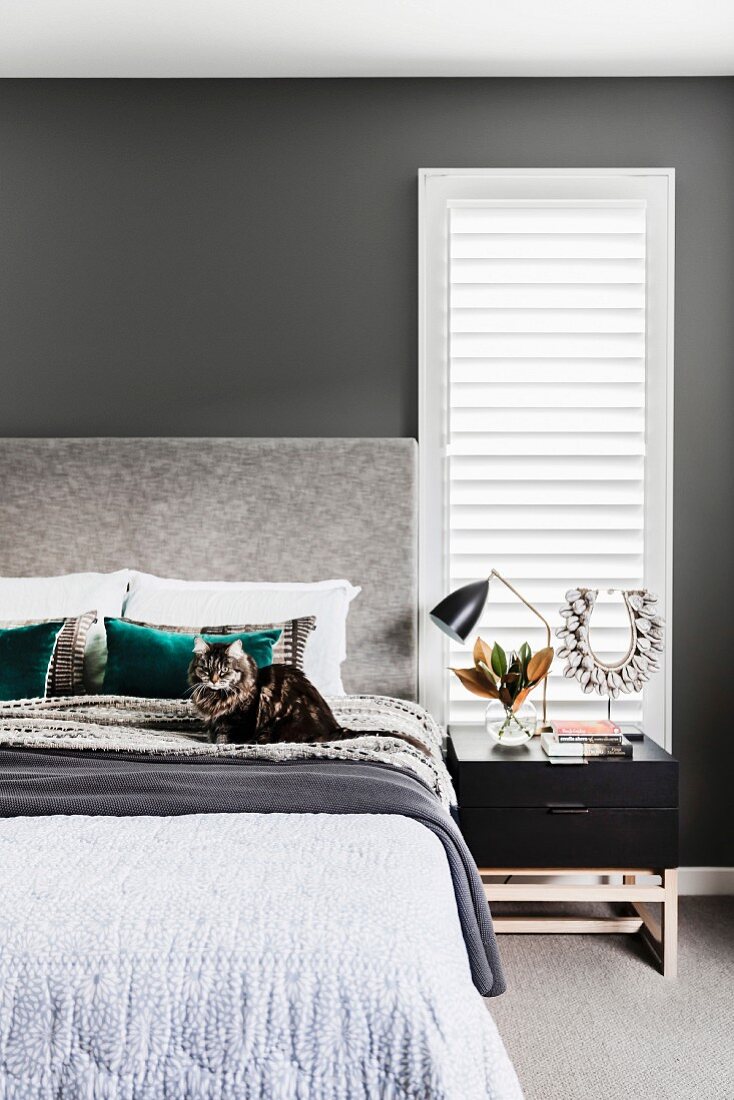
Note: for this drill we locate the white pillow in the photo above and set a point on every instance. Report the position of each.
(72, 594)
(181, 603)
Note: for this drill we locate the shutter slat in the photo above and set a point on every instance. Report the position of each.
(586, 707)
(560, 496)
(523, 295)
(561, 689)
(524, 443)
(497, 468)
(543, 592)
(611, 419)
(499, 613)
(583, 271)
(573, 568)
(564, 345)
(539, 518)
(546, 394)
(577, 543)
(549, 245)
(522, 217)
(565, 320)
(586, 371)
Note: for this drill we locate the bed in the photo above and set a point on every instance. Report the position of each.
(182, 919)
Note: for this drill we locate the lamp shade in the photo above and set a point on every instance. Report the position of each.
(458, 613)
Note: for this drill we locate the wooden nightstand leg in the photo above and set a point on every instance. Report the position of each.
(669, 945)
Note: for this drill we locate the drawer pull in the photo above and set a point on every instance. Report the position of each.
(561, 809)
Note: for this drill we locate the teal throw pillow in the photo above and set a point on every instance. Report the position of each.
(25, 656)
(154, 663)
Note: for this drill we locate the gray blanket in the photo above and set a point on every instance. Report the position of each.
(171, 727)
(41, 783)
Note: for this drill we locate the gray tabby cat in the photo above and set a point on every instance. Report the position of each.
(244, 704)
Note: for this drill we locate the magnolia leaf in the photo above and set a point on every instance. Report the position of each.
(505, 696)
(487, 672)
(524, 654)
(512, 682)
(482, 652)
(499, 659)
(476, 682)
(539, 664)
(521, 697)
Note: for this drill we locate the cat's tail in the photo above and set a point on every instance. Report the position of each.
(346, 734)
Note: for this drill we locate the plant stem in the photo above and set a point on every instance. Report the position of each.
(508, 718)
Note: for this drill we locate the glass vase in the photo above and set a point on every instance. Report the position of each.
(511, 727)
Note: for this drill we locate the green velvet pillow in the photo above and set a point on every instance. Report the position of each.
(154, 663)
(25, 656)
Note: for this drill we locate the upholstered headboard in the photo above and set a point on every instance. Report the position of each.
(230, 509)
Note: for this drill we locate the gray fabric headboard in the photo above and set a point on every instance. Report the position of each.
(230, 509)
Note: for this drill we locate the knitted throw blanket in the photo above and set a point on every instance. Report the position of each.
(171, 727)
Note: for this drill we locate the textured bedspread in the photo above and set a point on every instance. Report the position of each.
(237, 957)
(312, 942)
(40, 783)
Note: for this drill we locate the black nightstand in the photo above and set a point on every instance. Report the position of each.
(523, 816)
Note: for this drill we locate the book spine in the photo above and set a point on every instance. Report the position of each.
(607, 750)
(586, 729)
(580, 751)
(589, 738)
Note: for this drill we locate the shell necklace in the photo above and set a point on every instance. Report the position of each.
(641, 659)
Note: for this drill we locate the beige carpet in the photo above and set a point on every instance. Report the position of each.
(588, 1018)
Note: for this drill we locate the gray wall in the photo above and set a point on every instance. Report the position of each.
(239, 258)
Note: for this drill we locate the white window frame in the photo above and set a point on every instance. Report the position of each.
(437, 188)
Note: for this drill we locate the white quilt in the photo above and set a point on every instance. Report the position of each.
(237, 957)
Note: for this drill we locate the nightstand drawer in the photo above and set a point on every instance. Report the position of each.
(487, 775)
(571, 836)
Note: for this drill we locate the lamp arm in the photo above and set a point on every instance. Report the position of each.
(494, 573)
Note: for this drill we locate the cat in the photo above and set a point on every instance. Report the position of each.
(243, 704)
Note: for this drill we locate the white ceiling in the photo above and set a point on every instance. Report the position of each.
(332, 38)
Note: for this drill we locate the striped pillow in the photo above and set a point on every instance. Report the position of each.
(66, 670)
(288, 650)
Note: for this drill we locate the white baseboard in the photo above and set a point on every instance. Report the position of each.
(706, 880)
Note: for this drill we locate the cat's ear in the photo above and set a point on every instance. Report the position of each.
(234, 649)
(200, 646)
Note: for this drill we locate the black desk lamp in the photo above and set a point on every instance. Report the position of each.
(458, 613)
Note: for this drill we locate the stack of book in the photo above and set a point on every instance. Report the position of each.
(581, 740)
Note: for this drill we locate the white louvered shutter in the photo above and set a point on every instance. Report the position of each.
(546, 420)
